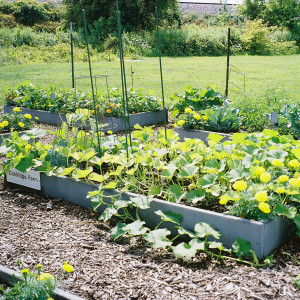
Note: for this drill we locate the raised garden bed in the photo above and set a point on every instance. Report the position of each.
(8, 276)
(114, 124)
(199, 134)
(264, 236)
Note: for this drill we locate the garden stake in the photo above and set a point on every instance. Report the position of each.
(227, 69)
(72, 55)
(161, 76)
(123, 79)
(127, 118)
(94, 101)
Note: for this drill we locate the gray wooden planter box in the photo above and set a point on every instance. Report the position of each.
(199, 134)
(114, 124)
(8, 276)
(264, 236)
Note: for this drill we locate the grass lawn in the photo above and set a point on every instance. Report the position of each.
(262, 73)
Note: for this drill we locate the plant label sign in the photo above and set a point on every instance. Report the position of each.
(31, 179)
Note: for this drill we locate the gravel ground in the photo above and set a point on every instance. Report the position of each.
(36, 229)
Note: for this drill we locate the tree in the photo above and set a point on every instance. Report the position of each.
(135, 14)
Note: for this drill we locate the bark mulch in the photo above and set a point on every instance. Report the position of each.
(36, 229)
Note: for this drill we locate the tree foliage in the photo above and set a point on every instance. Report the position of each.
(135, 14)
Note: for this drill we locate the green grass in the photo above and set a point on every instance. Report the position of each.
(262, 73)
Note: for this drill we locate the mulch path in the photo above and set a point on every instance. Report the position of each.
(36, 229)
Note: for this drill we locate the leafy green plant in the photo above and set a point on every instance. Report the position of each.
(197, 99)
(14, 121)
(34, 285)
(132, 225)
(255, 176)
(109, 103)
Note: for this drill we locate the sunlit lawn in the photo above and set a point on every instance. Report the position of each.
(261, 73)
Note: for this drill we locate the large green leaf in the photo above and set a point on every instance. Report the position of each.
(196, 195)
(235, 174)
(108, 213)
(135, 228)
(111, 185)
(25, 163)
(168, 171)
(183, 231)
(207, 180)
(277, 154)
(203, 229)
(82, 173)
(117, 231)
(184, 250)
(175, 194)
(155, 190)
(141, 201)
(169, 216)
(283, 210)
(97, 177)
(158, 238)
(65, 171)
(188, 171)
(242, 247)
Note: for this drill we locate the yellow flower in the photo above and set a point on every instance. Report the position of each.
(139, 104)
(109, 132)
(92, 111)
(181, 122)
(259, 170)
(197, 127)
(111, 105)
(175, 125)
(68, 268)
(280, 190)
(294, 164)
(133, 112)
(224, 199)
(261, 196)
(240, 185)
(49, 298)
(37, 118)
(1, 125)
(108, 111)
(205, 118)
(277, 163)
(16, 109)
(39, 266)
(45, 276)
(5, 123)
(25, 271)
(297, 175)
(188, 110)
(197, 117)
(28, 147)
(97, 106)
(119, 105)
(265, 177)
(21, 124)
(295, 182)
(264, 207)
(282, 178)
(28, 116)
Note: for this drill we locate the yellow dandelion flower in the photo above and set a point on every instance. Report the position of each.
(188, 110)
(261, 196)
(264, 207)
(205, 118)
(265, 177)
(28, 116)
(197, 117)
(240, 185)
(277, 163)
(181, 122)
(16, 109)
(68, 268)
(21, 124)
(259, 170)
(5, 123)
(282, 178)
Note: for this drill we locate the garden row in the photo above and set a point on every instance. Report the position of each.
(195, 109)
(254, 177)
